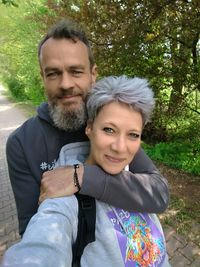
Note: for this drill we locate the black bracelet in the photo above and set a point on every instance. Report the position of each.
(76, 181)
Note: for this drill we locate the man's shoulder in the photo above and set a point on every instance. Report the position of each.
(28, 125)
(31, 128)
(32, 124)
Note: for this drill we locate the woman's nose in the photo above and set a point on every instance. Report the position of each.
(119, 145)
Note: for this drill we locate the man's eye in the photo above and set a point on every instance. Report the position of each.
(77, 72)
(52, 74)
(108, 130)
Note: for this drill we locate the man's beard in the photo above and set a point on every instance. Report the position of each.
(68, 120)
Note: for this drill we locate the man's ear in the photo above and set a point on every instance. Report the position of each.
(94, 74)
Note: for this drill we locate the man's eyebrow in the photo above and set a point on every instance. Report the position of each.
(77, 67)
(47, 69)
(72, 67)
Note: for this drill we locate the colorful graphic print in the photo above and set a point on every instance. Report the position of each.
(140, 241)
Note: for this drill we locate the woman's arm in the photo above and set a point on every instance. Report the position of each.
(48, 238)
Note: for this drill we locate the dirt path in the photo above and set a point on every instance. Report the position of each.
(183, 213)
(183, 185)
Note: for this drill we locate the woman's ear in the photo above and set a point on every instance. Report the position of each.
(88, 129)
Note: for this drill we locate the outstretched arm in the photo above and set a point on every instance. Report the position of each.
(141, 189)
(48, 238)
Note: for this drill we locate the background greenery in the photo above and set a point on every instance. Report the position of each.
(155, 39)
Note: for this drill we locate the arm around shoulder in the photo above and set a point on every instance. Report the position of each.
(144, 191)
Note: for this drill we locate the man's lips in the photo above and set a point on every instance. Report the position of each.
(69, 97)
(114, 159)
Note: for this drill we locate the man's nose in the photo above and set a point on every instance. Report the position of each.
(119, 144)
(67, 81)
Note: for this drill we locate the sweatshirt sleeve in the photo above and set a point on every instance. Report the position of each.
(48, 238)
(142, 189)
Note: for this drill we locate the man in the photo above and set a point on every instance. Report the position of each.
(68, 72)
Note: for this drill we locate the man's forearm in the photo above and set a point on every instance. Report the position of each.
(141, 192)
(133, 192)
(142, 163)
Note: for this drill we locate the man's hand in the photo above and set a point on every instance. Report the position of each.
(59, 182)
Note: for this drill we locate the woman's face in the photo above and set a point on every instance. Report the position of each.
(115, 137)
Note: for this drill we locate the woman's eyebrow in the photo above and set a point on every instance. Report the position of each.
(112, 124)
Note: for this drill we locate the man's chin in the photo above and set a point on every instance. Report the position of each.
(75, 100)
(68, 117)
(68, 106)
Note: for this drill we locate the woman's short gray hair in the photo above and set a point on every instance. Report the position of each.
(131, 91)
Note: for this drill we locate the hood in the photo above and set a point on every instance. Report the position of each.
(74, 153)
(43, 112)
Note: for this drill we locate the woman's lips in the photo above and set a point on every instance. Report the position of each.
(114, 159)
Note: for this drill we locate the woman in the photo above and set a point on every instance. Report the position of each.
(118, 108)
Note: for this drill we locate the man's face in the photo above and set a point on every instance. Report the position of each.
(67, 78)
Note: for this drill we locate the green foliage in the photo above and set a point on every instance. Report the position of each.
(9, 2)
(158, 40)
(184, 155)
(19, 64)
(15, 87)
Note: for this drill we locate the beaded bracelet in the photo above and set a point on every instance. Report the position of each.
(76, 181)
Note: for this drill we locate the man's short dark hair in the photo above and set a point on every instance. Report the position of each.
(67, 29)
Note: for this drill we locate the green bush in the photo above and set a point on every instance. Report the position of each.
(34, 90)
(16, 88)
(180, 155)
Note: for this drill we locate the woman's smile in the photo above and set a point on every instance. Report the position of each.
(114, 136)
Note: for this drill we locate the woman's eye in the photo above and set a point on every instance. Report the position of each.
(108, 130)
(134, 135)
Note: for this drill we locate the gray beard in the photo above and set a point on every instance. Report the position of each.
(68, 120)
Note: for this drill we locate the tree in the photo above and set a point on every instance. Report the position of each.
(155, 39)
